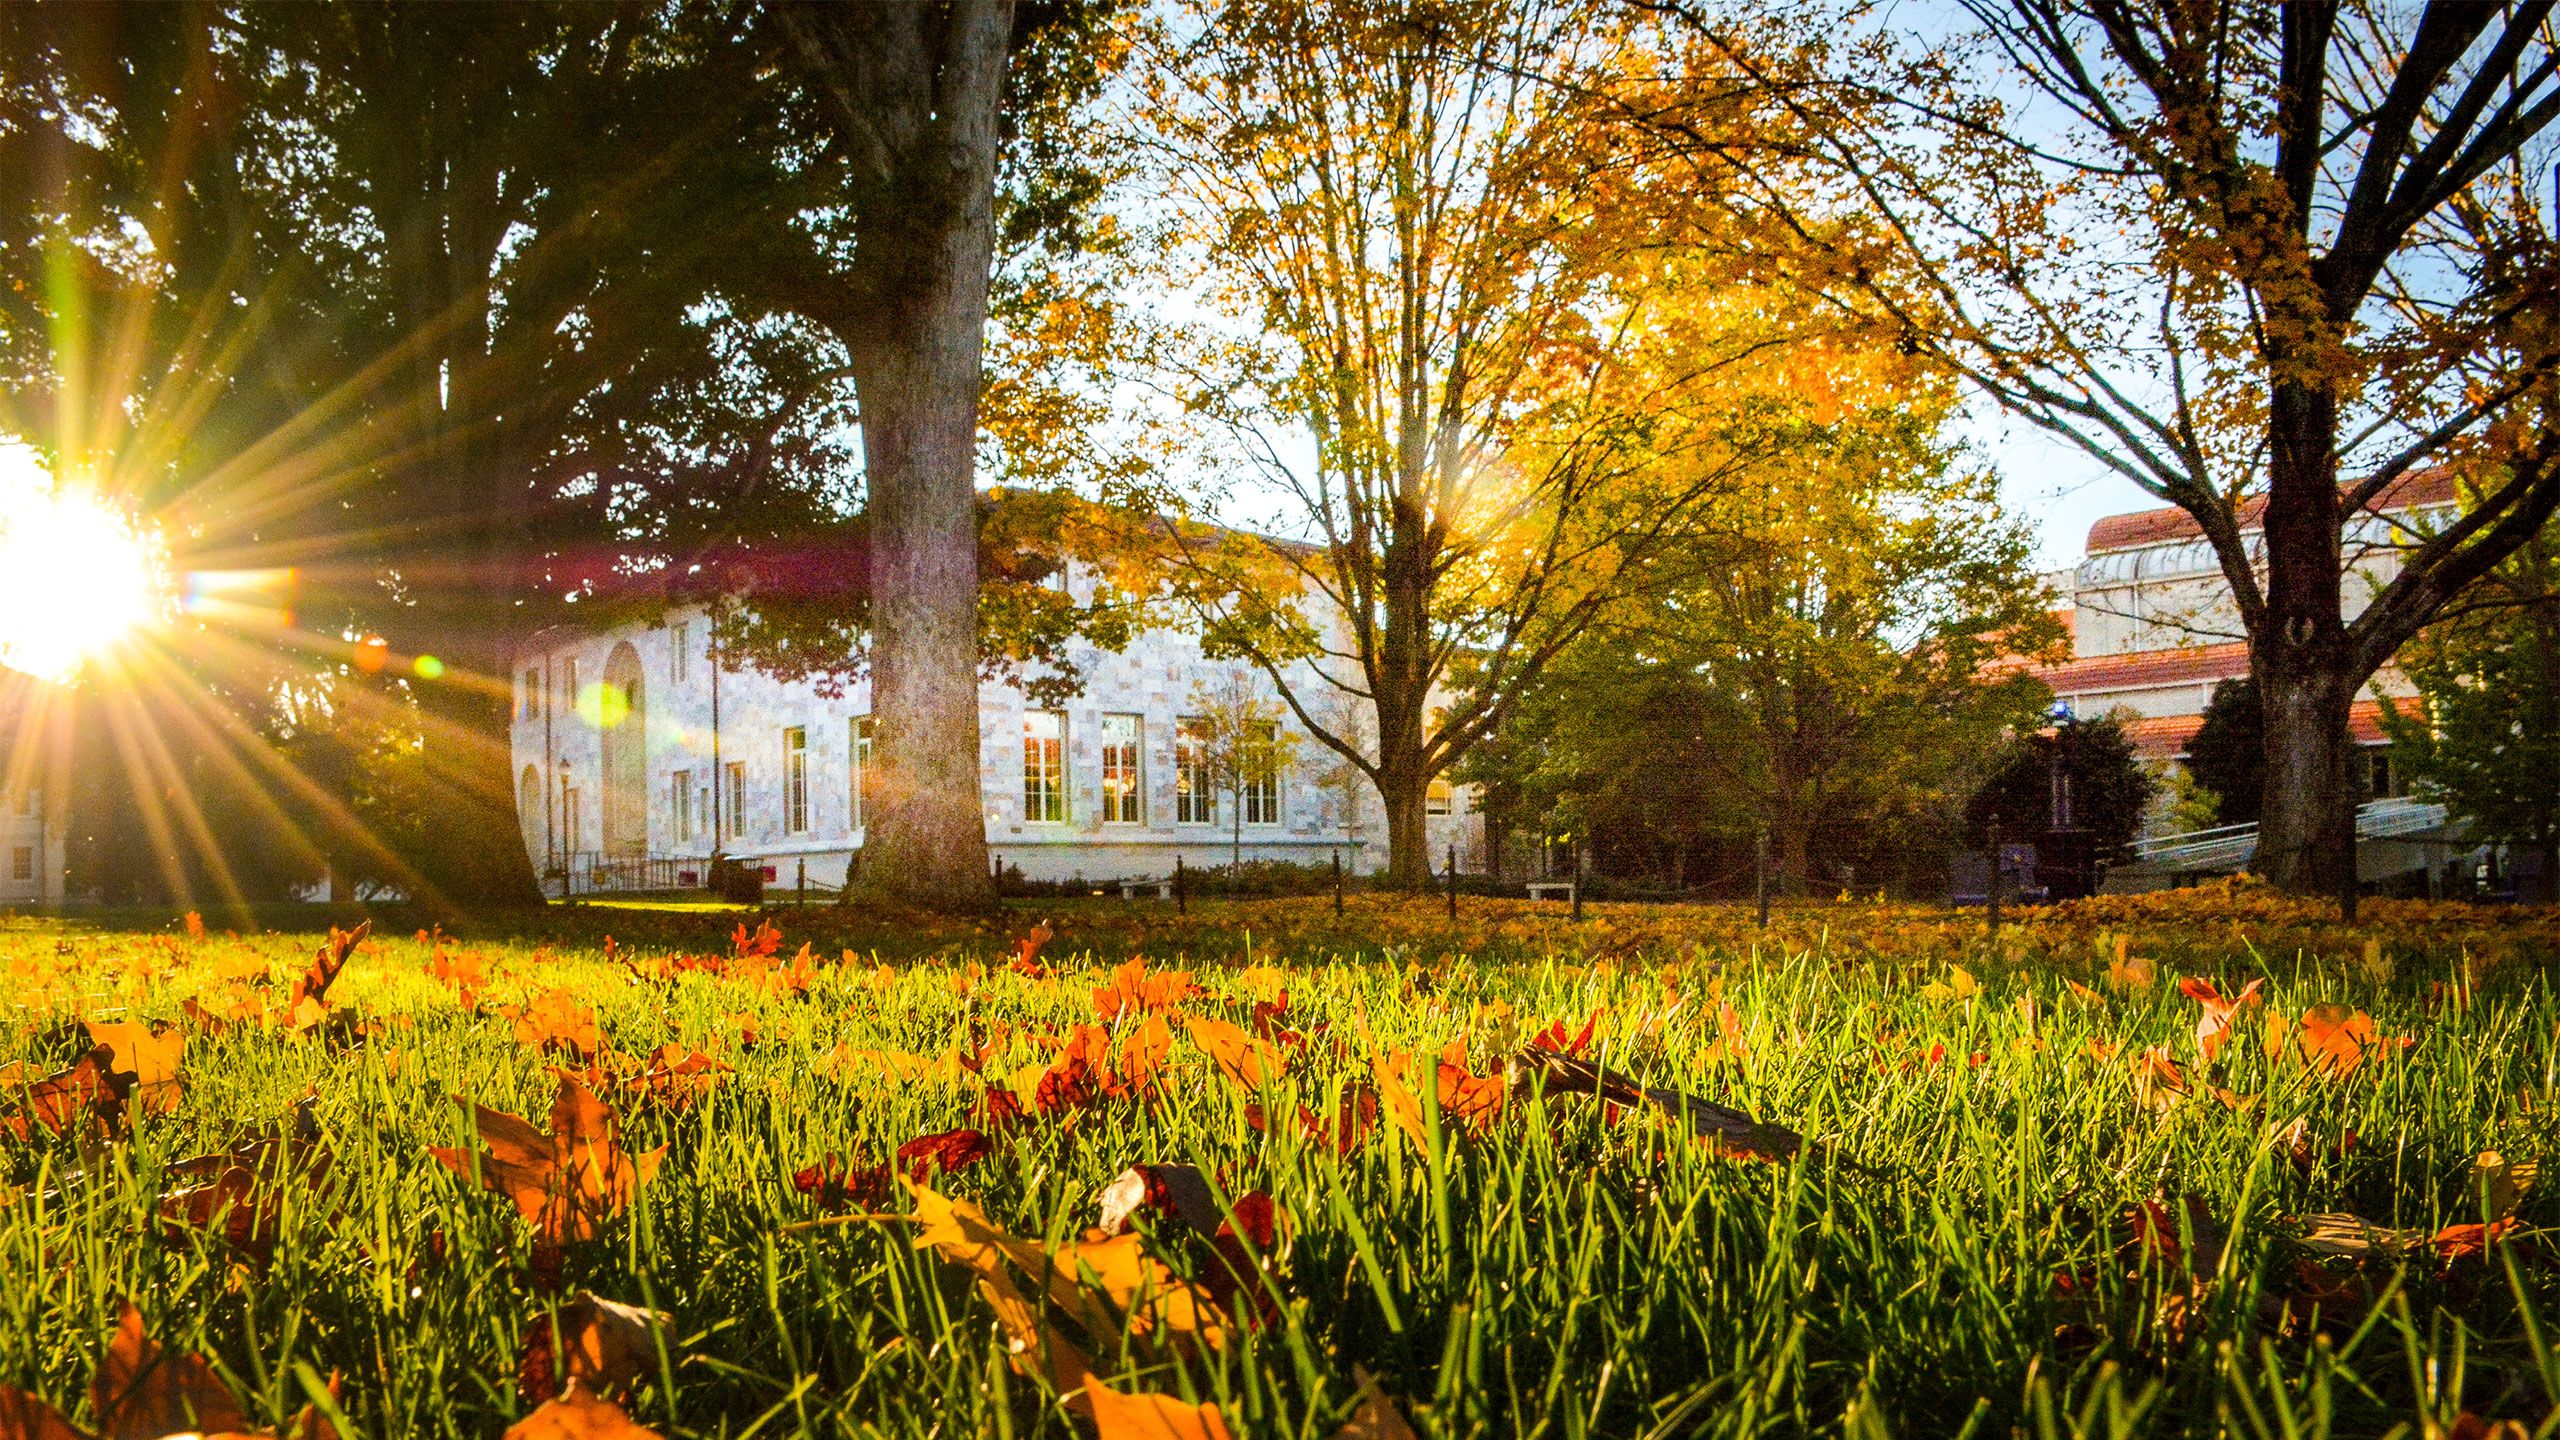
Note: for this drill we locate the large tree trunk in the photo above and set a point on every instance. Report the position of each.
(926, 244)
(1408, 830)
(2301, 660)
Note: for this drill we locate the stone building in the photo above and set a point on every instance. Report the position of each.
(2154, 628)
(34, 820)
(636, 752)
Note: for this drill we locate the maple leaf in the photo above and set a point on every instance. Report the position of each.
(2213, 1028)
(1118, 1416)
(949, 1151)
(1132, 988)
(142, 1392)
(578, 1413)
(2334, 1039)
(1242, 1058)
(838, 1187)
(145, 1061)
(1026, 951)
(593, 1342)
(763, 942)
(563, 1182)
(239, 1189)
(554, 1021)
(1554, 1038)
(60, 1101)
(308, 1004)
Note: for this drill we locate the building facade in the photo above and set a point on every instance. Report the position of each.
(632, 742)
(34, 820)
(2154, 629)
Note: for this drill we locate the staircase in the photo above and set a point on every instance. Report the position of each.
(2159, 860)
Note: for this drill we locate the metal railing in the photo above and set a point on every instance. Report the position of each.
(592, 872)
(2229, 847)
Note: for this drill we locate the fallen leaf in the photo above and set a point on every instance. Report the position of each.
(1150, 1417)
(563, 1182)
(143, 1392)
(578, 1414)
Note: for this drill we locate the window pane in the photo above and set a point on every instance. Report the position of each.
(1044, 744)
(1195, 790)
(1123, 769)
(861, 752)
(795, 780)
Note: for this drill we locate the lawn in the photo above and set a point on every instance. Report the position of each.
(2194, 1164)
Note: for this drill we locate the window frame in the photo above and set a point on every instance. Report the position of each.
(736, 799)
(680, 643)
(1195, 790)
(860, 736)
(1260, 791)
(1044, 769)
(1124, 768)
(680, 789)
(795, 779)
(22, 863)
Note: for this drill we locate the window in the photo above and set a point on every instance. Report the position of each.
(681, 637)
(575, 820)
(1123, 770)
(22, 863)
(1437, 795)
(795, 780)
(680, 790)
(861, 752)
(737, 799)
(530, 707)
(1195, 790)
(569, 682)
(1044, 767)
(1260, 759)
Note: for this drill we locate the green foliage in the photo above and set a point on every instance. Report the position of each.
(2110, 786)
(2485, 734)
(2228, 755)
(1966, 1248)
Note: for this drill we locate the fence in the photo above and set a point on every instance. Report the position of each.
(592, 872)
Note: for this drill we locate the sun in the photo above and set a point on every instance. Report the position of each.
(77, 572)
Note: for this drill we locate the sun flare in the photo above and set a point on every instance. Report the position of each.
(77, 572)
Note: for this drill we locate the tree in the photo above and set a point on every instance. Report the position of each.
(1822, 666)
(2107, 786)
(912, 96)
(416, 303)
(1242, 747)
(2485, 733)
(2228, 755)
(2266, 261)
(1435, 337)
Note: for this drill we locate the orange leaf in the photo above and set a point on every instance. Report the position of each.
(578, 1414)
(563, 1182)
(1151, 1417)
(143, 1392)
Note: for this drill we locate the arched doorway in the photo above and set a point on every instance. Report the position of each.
(622, 714)
(529, 812)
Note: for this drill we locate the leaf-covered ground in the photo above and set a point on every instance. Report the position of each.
(2200, 1164)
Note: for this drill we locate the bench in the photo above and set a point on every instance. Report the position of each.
(1162, 889)
(1550, 889)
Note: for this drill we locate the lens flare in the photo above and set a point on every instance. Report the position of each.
(77, 573)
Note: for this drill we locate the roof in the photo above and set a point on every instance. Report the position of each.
(2152, 527)
(2164, 736)
(2187, 665)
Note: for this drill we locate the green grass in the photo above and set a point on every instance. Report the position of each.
(1556, 1276)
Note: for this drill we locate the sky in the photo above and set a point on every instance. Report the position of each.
(2054, 484)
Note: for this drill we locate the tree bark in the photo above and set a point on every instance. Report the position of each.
(1408, 829)
(916, 90)
(2306, 670)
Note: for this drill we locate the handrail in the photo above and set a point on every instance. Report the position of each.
(2234, 845)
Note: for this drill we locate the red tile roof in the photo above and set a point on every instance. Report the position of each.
(2165, 736)
(2187, 665)
(2152, 527)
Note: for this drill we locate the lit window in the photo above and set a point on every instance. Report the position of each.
(737, 798)
(1123, 770)
(861, 768)
(795, 781)
(1437, 795)
(22, 863)
(1195, 788)
(1044, 767)
(680, 791)
(1259, 760)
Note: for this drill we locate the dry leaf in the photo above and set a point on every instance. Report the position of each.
(143, 1392)
(578, 1414)
(563, 1182)
(1150, 1417)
